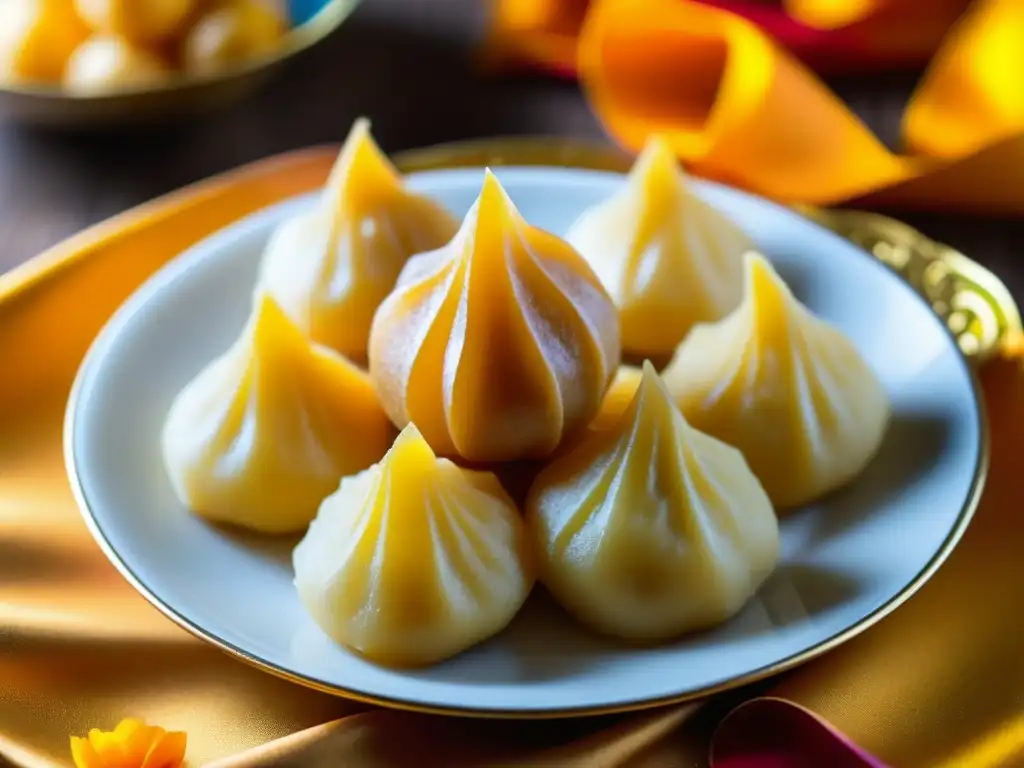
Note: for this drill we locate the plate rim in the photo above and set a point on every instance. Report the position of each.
(510, 153)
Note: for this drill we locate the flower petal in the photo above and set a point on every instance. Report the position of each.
(167, 752)
(140, 743)
(84, 754)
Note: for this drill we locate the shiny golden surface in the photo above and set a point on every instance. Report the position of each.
(650, 529)
(499, 344)
(415, 559)
(784, 387)
(74, 626)
(331, 266)
(266, 431)
(668, 259)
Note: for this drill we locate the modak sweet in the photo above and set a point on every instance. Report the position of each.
(231, 33)
(415, 559)
(618, 397)
(36, 39)
(104, 62)
(651, 529)
(330, 267)
(140, 21)
(500, 343)
(616, 400)
(784, 387)
(668, 259)
(263, 434)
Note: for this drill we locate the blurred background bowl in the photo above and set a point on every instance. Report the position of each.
(180, 95)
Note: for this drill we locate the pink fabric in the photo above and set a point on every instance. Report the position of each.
(774, 733)
(828, 52)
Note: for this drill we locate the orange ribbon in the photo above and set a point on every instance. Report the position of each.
(739, 108)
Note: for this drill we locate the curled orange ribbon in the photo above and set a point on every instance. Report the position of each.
(540, 33)
(739, 108)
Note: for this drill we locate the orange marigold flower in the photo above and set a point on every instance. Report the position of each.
(133, 744)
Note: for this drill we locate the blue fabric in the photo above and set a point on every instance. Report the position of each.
(303, 10)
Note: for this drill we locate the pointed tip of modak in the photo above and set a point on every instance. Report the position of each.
(491, 187)
(769, 299)
(652, 396)
(360, 158)
(657, 150)
(761, 275)
(657, 167)
(270, 327)
(268, 315)
(360, 130)
(410, 444)
(651, 379)
(492, 201)
(410, 433)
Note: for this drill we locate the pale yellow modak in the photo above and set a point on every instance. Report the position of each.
(37, 37)
(263, 434)
(232, 32)
(618, 397)
(415, 559)
(105, 62)
(616, 400)
(785, 387)
(650, 529)
(140, 21)
(668, 259)
(331, 266)
(500, 343)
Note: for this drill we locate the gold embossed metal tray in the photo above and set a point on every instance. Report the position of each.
(967, 298)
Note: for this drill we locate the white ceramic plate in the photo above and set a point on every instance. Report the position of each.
(846, 562)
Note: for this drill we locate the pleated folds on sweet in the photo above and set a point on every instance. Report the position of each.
(332, 265)
(415, 559)
(650, 528)
(500, 343)
(668, 259)
(267, 430)
(785, 387)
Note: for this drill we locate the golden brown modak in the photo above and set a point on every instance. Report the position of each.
(499, 344)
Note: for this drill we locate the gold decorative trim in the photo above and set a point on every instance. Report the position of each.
(498, 152)
(975, 305)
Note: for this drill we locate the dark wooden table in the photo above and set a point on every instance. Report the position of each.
(405, 63)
